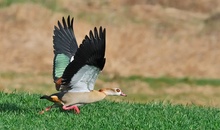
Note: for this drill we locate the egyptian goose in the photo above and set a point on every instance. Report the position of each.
(75, 69)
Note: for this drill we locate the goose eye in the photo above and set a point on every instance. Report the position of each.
(118, 90)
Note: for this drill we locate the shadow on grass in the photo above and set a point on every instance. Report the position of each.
(6, 107)
(14, 108)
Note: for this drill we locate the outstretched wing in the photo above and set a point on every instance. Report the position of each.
(65, 46)
(89, 60)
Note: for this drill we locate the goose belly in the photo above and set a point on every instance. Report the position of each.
(72, 98)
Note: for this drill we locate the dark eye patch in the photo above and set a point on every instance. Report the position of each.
(118, 90)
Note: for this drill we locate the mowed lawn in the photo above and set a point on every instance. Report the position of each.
(21, 111)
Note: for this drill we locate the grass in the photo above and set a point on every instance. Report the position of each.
(45, 79)
(89, 16)
(50, 4)
(165, 81)
(140, 89)
(155, 82)
(20, 111)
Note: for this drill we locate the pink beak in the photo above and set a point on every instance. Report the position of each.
(122, 94)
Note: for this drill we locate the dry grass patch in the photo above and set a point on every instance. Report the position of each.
(146, 40)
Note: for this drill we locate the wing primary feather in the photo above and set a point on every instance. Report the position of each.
(64, 23)
(59, 25)
(65, 46)
(96, 33)
(91, 52)
(64, 34)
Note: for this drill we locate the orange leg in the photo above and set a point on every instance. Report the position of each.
(47, 109)
(74, 107)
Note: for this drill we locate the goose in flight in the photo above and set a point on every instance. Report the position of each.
(75, 69)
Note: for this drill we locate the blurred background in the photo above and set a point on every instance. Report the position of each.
(157, 50)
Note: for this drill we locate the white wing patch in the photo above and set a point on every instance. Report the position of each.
(84, 79)
(72, 58)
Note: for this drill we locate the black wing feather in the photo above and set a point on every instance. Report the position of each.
(90, 52)
(64, 38)
(64, 42)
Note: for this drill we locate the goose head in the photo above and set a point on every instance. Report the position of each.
(112, 91)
